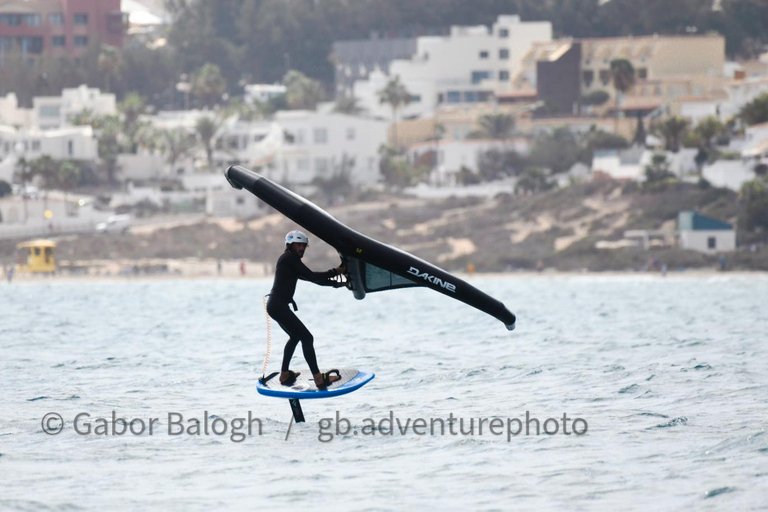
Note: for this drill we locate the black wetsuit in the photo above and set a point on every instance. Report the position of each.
(288, 271)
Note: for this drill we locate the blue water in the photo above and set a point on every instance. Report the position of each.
(668, 374)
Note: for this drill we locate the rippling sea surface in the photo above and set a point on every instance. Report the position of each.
(669, 375)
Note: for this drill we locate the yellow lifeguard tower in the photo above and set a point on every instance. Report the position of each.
(37, 256)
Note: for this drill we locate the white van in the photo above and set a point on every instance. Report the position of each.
(114, 224)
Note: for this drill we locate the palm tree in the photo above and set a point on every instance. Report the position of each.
(109, 62)
(302, 92)
(348, 105)
(206, 129)
(395, 95)
(132, 107)
(208, 84)
(24, 174)
(707, 129)
(672, 130)
(497, 126)
(177, 143)
(68, 177)
(623, 75)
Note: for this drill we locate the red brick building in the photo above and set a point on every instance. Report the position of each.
(32, 28)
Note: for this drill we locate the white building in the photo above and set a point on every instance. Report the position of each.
(224, 203)
(704, 234)
(629, 164)
(322, 143)
(448, 157)
(731, 174)
(53, 112)
(48, 213)
(263, 92)
(73, 143)
(11, 114)
(470, 65)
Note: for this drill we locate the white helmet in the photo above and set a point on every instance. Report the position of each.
(296, 237)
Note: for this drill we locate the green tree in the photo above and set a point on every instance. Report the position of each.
(24, 175)
(658, 170)
(348, 105)
(396, 96)
(754, 196)
(672, 130)
(5, 189)
(108, 63)
(756, 111)
(108, 131)
(207, 129)
(558, 151)
(302, 92)
(496, 164)
(340, 182)
(533, 181)
(177, 143)
(396, 171)
(132, 107)
(208, 84)
(707, 129)
(599, 139)
(623, 76)
(595, 98)
(497, 126)
(47, 169)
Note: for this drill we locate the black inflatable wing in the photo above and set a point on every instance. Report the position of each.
(371, 265)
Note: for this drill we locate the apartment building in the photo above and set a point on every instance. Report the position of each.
(470, 65)
(30, 29)
(666, 67)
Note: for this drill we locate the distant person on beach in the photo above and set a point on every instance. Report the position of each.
(242, 268)
(9, 273)
(288, 271)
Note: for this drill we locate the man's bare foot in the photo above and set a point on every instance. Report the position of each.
(288, 378)
(320, 379)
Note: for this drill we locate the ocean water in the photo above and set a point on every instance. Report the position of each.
(669, 378)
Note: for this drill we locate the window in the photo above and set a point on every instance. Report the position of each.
(483, 54)
(33, 44)
(478, 76)
(605, 76)
(503, 76)
(503, 54)
(454, 97)
(302, 164)
(56, 18)
(503, 32)
(415, 98)
(351, 134)
(11, 20)
(642, 73)
(321, 165)
(81, 18)
(470, 97)
(6, 43)
(32, 20)
(711, 242)
(299, 136)
(58, 41)
(70, 147)
(81, 40)
(35, 145)
(320, 135)
(588, 77)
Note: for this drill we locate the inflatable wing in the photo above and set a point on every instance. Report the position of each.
(372, 266)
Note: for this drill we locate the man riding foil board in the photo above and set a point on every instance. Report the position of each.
(288, 271)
